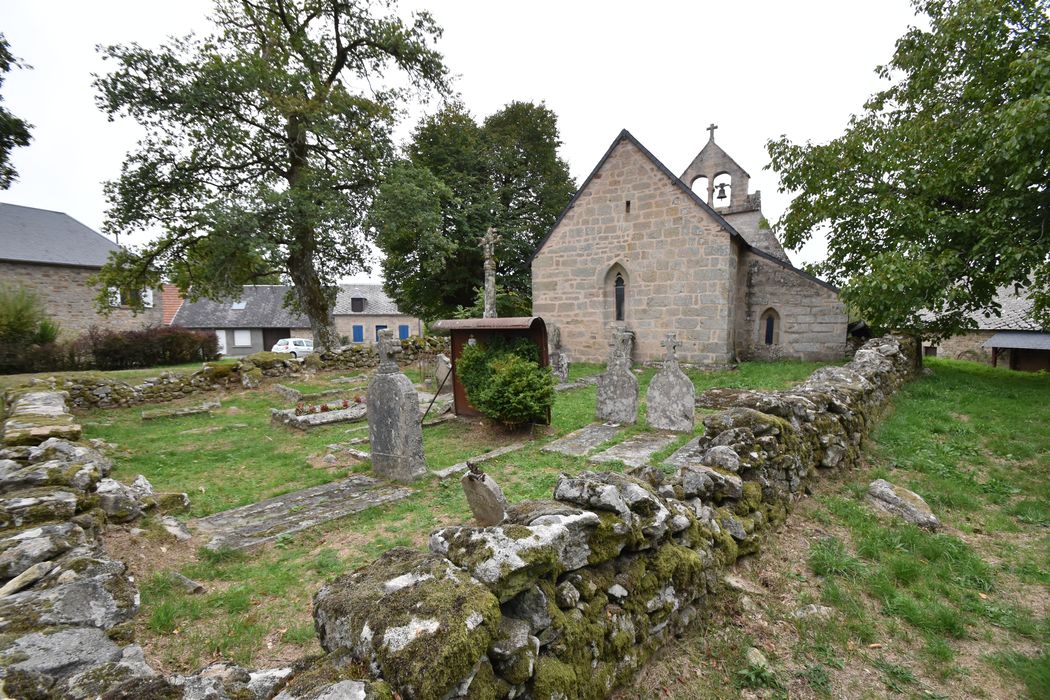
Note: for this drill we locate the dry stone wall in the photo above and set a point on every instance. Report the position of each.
(569, 597)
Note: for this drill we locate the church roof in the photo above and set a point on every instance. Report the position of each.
(625, 135)
(713, 150)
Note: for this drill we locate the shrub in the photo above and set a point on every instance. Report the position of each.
(153, 346)
(24, 330)
(504, 381)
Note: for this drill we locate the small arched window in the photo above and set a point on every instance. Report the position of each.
(769, 327)
(699, 186)
(620, 291)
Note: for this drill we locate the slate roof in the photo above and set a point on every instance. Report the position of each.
(264, 308)
(50, 237)
(1020, 340)
(1016, 310)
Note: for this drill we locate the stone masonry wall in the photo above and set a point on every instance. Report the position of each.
(969, 346)
(70, 299)
(674, 255)
(570, 596)
(812, 319)
(344, 325)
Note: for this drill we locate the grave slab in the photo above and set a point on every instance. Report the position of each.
(686, 454)
(355, 412)
(635, 451)
(197, 409)
(265, 521)
(582, 441)
(461, 467)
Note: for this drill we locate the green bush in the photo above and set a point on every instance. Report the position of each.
(504, 381)
(24, 329)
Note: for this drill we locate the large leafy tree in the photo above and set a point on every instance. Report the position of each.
(458, 179)
(937, 194)
(14, 132)
(264, 145)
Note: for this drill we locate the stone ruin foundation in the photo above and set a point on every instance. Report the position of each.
(566, 598)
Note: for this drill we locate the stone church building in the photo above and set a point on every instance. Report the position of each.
(639, 247)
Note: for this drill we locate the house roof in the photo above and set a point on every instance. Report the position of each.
(625, 135)
(50, 237)
(1015, 313)
(264, 308)
(1020, 340)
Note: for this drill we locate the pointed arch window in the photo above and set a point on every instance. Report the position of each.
(769, 327)
(620, 290)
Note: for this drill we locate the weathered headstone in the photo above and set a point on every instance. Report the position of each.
(617, 385)
(671, 398)
(394, 430)
(484, 496)
(558, 357)
(443, 374)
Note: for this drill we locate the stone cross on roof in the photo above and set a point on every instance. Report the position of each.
(387, 349)
(712, 130)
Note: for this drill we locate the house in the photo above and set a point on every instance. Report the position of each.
(691, 255)
(55, 256)
(1011, 339)
(258, 319)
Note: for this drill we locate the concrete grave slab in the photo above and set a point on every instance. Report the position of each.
(582, 441)
(267, 520)
(635, 451)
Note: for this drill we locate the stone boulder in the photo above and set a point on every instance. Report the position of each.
(23, 549)
(413, 616)
(120, 503)
(905, 504)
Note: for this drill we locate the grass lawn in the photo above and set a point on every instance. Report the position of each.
(257, 608)
(958, 614)
(128, 375)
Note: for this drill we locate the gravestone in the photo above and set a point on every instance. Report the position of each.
(484, 496)
(671, 398)
(617, 385)
(558, 358)
(394, 431)
(443, 374)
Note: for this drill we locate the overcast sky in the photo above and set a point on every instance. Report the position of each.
(662, 70)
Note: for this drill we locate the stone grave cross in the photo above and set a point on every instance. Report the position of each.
(488, 247)
(387, 350)
(671, 343)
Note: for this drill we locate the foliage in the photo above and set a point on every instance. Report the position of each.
(457, 180)
(263, 145)
(509, 304)
(504, 381)
(14, 132)
(939, 192)
(154, 346)
(24, 329)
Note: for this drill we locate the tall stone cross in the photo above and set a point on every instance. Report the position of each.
(488, 247)
(387, 350)
(671, 343)
(712, 130)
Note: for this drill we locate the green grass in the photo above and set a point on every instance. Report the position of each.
(128, 375)
(264, 598)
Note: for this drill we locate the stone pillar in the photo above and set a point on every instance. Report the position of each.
(394, 431)
(617, 386)
(443, 373)
(488, 245)
(557, 356)
(671, 398)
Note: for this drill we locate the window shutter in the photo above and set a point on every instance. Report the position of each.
(359, 334)
(114, 296)
(147, 298)
(402, 331)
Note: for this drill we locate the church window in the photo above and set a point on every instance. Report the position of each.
(769, 327)
(723, 190)
(699, 186)
(619, 287)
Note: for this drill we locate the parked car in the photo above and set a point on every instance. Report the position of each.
(298, 347)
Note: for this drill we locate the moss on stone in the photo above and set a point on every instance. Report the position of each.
(608, 539)
(554, 679)
(267, 359)
(486, 685)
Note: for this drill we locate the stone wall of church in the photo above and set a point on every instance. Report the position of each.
(679, 267)
(811, 323)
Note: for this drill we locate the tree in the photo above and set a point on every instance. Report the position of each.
(458, 179)
(14, 132)
(937, 194)
(264, 144)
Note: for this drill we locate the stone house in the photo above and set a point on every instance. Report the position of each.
(638, 246)
(1011, 339)
(258, 319)
(55, 256)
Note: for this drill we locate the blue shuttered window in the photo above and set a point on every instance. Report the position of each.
(359, 334)
(402, 331)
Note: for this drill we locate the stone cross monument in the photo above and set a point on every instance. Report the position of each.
(557, 356)
(617, 385)
(671, 399)
(488, 246)
(394, 430)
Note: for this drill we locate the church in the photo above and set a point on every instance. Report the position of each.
(640, 248)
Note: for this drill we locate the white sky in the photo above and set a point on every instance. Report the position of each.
(662, 70)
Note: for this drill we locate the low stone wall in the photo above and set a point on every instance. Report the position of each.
(364, 356)
(569, 597)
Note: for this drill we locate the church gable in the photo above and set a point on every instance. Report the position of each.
(634, 234)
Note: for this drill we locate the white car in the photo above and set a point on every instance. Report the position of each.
(298, 347)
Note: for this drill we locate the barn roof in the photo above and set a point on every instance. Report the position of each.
(50, 237)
